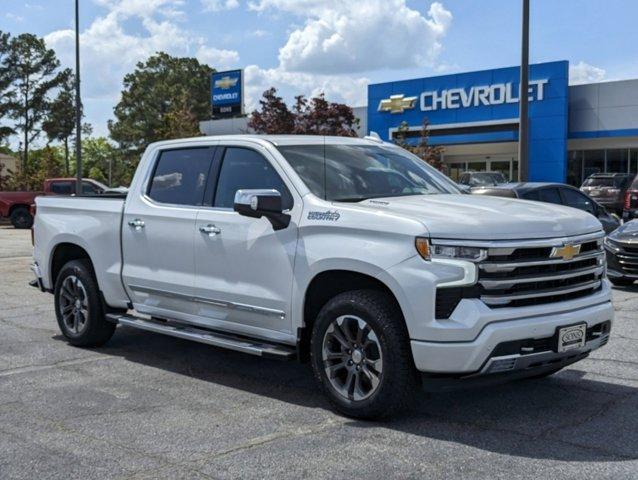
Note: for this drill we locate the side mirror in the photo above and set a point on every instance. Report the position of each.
(262, 203)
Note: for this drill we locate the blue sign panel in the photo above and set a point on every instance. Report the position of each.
(481, 107)
(227, 91)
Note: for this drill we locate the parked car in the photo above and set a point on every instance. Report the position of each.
(557, 193)
(352, 253)
(481, 179)
(622, 254)
(608, 189)
(630, 209)
(17, 205)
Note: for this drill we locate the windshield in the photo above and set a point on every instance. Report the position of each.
(614, 182)
(352, 173)
(488, 178)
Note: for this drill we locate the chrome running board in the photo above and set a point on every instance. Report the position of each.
(209, 337)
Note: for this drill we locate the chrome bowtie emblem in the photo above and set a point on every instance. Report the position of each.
(397, 104)
(225, 83)
(566, 252)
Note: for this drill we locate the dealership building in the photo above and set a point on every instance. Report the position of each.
(574, 130)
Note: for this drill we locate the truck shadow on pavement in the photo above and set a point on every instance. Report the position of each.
(565, 417)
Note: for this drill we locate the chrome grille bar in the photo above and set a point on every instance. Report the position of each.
(510, 282)
(505, 299)
(491, 267)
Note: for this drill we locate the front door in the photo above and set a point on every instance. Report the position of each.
(244, 269)
(158, 232)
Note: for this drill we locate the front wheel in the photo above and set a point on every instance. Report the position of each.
(361, 355)
(78, 306)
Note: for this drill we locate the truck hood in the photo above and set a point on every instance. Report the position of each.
(478, 217)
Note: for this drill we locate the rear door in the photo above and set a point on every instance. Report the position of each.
(244, 269)
(158, 232)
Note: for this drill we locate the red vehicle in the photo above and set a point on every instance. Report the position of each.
(17, 205)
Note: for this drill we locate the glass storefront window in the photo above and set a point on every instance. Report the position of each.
(575, 168)
(617, 160)
(633, 160)
(593, 162)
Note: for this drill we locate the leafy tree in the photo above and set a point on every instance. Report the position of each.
(316, 116)
(5, 177)
(60, 122)
(163, 86)
(100, 159)
(6, 78)
(274, 117)
(44, 163)
(35, 70)
(180, 121)
(422, 149)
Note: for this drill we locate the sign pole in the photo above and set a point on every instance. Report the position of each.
(78, 106)
(523, 122)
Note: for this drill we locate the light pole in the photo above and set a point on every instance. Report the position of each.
(78, 105)
(523, 94)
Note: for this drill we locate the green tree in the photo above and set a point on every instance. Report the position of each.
(59, 124)
(6, 78)
(100, 159)
(160, 87)
(180, 121)
(36, 73)
(47, 162)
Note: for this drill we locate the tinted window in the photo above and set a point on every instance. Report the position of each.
(352, 173)
(242, 169)
(533, 195)
(180, 176)
(90, 189)
(612, 182)
(578, 200)
(62, 188)
(550, 195)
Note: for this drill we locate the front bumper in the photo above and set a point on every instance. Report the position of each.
(480, 356)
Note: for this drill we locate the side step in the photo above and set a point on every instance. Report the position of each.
(209, 337)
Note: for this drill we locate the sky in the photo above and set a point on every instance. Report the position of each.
(333, 46)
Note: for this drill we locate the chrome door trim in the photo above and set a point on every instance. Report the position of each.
(210, 301)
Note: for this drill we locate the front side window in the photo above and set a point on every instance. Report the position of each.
(180, 176)
(244, 169)
(352, 173)
(578, 200)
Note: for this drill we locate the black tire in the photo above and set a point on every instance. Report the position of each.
(621, 282)
(95, 330)
(399, 380)
(21, 218)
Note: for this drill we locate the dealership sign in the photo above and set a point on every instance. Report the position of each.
(475, 96)
(227, 89)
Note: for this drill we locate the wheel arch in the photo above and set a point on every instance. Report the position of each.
(63, 253)
(15, 206)
(326, 285)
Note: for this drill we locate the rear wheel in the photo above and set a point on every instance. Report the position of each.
(21, 218)
(78, 306)
(621, 282)
(361, 355)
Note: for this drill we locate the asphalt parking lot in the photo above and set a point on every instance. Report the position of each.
(149, 406)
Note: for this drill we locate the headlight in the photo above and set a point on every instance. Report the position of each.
(428, 251)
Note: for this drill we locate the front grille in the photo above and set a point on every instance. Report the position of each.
(515, 276)
(626, 256)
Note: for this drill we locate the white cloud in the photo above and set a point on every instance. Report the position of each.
(353, 36)
(582, 72)
(339, 88)
(219, 5)
(14, 17)
(259, 33)
(216, 58)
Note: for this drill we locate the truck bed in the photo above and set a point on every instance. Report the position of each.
(94, 222)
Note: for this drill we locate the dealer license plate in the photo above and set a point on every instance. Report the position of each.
(571, 337)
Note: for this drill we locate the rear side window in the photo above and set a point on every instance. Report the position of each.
(62, 188)
(180, 176)
(550, 195)
(243, 168)
(533, 195)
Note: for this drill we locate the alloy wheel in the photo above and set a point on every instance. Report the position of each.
(74, 305)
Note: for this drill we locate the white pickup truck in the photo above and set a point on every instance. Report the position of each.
(351, 253)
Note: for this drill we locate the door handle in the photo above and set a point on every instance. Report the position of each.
(210, 230)
(137, 224)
